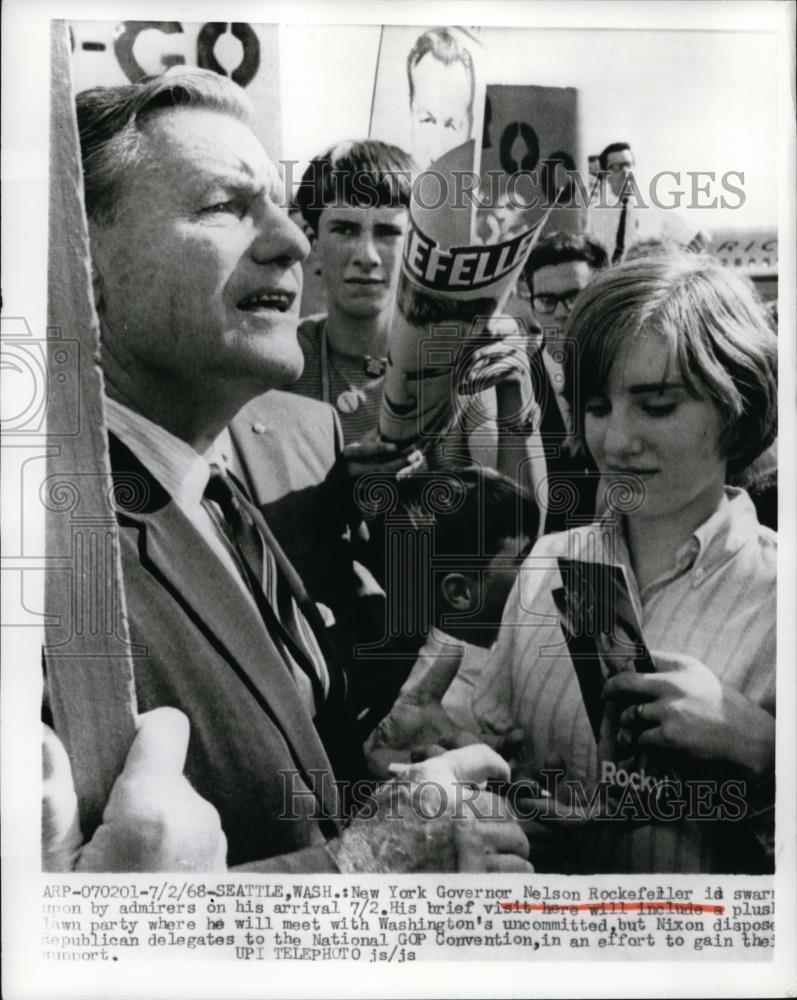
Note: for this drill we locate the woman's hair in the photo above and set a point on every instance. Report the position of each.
(719, 333)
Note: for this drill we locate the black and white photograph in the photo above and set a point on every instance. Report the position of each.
(398, 499)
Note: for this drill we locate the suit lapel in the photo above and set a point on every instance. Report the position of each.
(262, 460)
(174, 550)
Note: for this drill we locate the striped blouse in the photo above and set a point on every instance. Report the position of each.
(717, 604)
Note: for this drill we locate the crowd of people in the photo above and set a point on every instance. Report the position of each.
(315, 655)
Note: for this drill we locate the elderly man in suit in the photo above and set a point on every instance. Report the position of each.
(197, 284)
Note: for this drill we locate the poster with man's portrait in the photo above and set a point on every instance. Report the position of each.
(429, 90)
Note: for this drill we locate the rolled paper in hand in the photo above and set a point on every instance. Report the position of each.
(450, 284)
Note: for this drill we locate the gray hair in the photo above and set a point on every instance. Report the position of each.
(111, 119)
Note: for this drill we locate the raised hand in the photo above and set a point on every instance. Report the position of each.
(154, 820)
(504, 359)
(418, 719)
(61, 839)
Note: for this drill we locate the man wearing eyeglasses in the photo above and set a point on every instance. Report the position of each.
(559, 266)
(617, 162)
(631, 215)
(612, 224)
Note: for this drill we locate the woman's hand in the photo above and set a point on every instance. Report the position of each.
(685, 707)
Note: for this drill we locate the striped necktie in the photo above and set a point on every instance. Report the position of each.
(274, 584)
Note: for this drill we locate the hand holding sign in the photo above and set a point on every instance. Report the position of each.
(154, 820)
(685, 707)
(447, 281)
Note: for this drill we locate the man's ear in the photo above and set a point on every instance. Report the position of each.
(461, 592)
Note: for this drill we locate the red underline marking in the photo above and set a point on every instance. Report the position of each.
(612, 907)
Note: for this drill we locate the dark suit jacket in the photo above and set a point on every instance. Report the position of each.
(572, 479)
(291, 449)
(254, 751)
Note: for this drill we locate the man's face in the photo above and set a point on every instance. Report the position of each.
(440, 108)
(618, 167)
(359, 252)
(490, 587)
(198, 278)
(554, 290)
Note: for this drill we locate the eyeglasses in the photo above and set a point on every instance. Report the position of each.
(617, 168)
(545, 304)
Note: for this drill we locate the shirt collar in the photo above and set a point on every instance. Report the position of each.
(712, 544)
(222, 453)
(723, 534)
(180, 470)
(441, 639)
